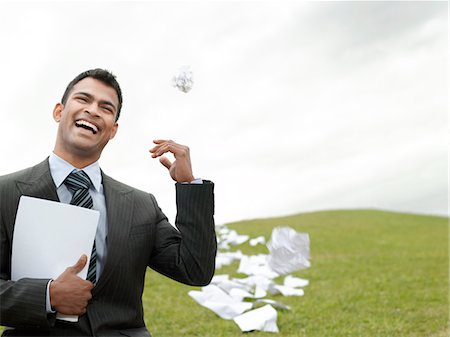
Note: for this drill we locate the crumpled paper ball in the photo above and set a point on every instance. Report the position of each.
(289, 250)
(183, 80)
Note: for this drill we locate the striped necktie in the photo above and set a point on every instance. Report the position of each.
(78, 184)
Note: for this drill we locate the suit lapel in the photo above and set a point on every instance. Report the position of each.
(39, 184)
(119, 206)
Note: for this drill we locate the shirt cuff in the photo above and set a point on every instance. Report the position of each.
(48, 306)
(197, 181)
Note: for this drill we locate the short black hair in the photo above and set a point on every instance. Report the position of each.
(102, 75)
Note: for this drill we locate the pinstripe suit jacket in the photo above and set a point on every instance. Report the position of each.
(139, 235)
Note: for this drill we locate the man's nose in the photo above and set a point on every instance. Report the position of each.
(93, 109)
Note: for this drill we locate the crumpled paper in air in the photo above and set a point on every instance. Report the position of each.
(289, 250)
(263, 319)
(183, 80)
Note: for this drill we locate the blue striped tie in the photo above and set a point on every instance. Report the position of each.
(78, 183)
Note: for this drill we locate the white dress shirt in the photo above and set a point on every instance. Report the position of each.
(59, 170)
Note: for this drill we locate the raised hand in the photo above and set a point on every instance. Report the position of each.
(180, 170)
(70, 294)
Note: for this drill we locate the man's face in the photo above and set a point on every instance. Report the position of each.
(87, 120)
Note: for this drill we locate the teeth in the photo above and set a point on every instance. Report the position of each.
(86, 123)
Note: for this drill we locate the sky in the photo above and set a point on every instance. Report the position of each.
(295, 107)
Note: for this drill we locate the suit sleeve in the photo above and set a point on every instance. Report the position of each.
(187, 255)
(22, 303)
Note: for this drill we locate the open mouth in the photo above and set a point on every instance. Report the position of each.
(86, 125)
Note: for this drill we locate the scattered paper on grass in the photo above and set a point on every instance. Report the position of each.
(230, 298)
(289, 250)
(263, 319)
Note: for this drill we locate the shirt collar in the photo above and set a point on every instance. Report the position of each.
(60, 169)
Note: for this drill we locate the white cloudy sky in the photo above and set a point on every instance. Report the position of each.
(296, 106)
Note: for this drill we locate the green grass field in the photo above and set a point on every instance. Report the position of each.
(373, 273)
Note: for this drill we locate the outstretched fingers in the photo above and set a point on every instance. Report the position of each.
(164, 146)
(180, 170)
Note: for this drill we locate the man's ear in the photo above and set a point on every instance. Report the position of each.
(114, 131)
(57, 112)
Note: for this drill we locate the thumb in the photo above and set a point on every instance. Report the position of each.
(77, 267)
(166, 162)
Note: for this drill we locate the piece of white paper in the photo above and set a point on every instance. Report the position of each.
(259, 281)
(294, 282)
(236, 289)
(233, 238)
(263, 319)
(239, 294)
(275, 304)
(226, 258)
(259, 240)
(256, 265)
(222, 229)
(220, 278)
(285, 290)
(260, 292)
(289, 250)
(217, 300)
(50, 236)
(227, 285)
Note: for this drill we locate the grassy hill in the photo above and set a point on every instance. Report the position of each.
(373, 273)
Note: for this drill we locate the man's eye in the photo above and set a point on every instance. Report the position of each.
(108, 109)
(82, 99)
